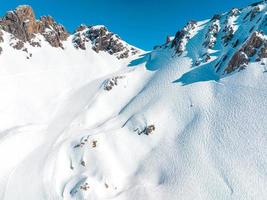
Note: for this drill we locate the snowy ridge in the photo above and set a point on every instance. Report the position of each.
(24, 29)
(184, 121)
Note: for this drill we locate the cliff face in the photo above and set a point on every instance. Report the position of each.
(21, 23)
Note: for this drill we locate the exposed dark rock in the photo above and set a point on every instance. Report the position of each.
(82, 27)
(207, 57)
(177, 42)
(94, 143)
(197, 63)
(263, 51)
(147, 130)
(110, 83)
(181, 37)
(234, 12)
(229, 34)
(19, 45)
(239, 60)
(150, 129)
(79, 41)
(216, 17)
(211, 35)
(35, 44)
(83, 163)
(85, 187)
(255, 41)
(248, 50)
(22, 24)
(102, 40)
(254, 12)
(1, 36)
(53, 32)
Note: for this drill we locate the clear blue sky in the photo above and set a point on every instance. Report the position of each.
(143, 23)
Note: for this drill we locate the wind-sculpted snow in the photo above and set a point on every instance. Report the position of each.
(160, 125)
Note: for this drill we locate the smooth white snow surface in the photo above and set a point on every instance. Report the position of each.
(61, 131)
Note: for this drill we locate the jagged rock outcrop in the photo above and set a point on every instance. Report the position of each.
(263, 51)
(255, 42)
(229, 28)
(247, 51)
(181, 37)
(238, 61)
(211, 35)
(24, 27)
(80, 38)
(22, 24)
(102, 40)
(110, 83)
(234, 12)
(229, 34)
(53, 32)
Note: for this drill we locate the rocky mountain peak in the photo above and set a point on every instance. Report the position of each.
(21, 23)
(238, 37)
(101, 39)
(24, 13)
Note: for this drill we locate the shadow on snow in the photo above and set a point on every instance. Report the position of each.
(199, 74)
(150, 64)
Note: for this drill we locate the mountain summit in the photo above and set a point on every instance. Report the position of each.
(88, 116)
(234, 38)
(23, 26)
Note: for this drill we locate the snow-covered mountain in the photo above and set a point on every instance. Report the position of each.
(88, 116)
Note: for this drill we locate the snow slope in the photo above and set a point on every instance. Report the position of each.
(65, 134)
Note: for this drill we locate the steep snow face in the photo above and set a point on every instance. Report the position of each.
(234, 38)
(166, 124)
